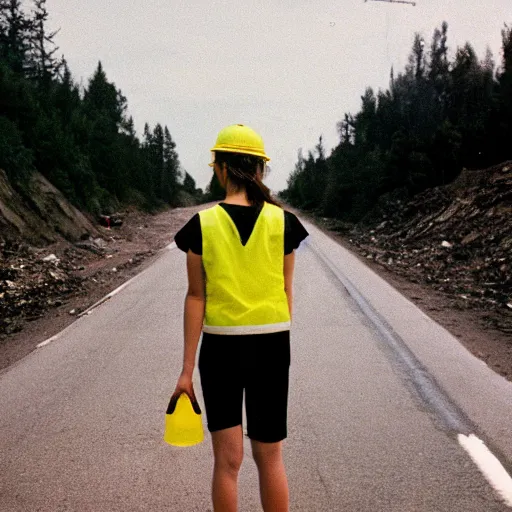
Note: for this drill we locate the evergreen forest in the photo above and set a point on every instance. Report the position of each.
(80, 138)
(438, 116)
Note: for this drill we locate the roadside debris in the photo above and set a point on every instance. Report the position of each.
(473, 265)
(95, 245)
(116, 219)
(51, 257)
(31, 284)
(36, 281)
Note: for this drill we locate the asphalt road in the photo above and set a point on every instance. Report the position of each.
(381, 399)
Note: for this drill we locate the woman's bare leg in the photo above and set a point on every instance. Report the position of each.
(228, 452)
(273, 482)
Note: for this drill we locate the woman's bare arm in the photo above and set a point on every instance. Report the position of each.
(195, 304)
(289, 264)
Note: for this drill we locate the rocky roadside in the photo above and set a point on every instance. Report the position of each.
(50, 294)
(43, 290)
(449, 251)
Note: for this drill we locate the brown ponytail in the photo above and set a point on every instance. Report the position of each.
(243, 174)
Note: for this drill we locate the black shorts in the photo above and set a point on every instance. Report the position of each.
(256, 363)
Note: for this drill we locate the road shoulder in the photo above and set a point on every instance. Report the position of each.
(470, 327)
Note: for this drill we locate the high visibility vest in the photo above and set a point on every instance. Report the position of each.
(244, 284)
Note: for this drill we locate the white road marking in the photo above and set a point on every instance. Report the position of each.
(489, 465)
(433, 396)
(89, 310)
(49, 340)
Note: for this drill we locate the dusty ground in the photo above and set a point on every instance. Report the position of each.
(134, 245)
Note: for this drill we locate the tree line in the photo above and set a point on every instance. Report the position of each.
(436, 118)
(80, 138)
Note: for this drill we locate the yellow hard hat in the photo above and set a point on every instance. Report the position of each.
(183, 425)
(239, 138)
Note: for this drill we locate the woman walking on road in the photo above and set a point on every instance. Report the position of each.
(240, 264)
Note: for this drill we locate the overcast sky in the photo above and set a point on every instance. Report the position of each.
(288, 68)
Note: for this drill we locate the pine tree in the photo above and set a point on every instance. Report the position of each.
(417, 58)
(189, 184)
(292, 193)
(104, 107)
(67, 96)
(43, 45)
(102, 97)
(172, 168)
(214, 190)
(149, 165)
(15, 29)
(15, 158)
(4, 30)
(438, 68)
(504, 90)
(320, 172)
(346, 130)
(158, 160)
(364, 125)
(438, 72)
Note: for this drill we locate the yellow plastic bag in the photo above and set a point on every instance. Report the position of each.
(183, 423)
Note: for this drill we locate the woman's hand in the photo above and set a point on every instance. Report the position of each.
(185, 385)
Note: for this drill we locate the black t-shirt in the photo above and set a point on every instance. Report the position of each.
(244, 217)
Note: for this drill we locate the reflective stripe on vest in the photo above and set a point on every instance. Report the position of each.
(244, 284)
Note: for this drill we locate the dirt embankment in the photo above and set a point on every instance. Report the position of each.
(39, 214)
(457, 239)
(44, 289)
(55, 261)
(449, 250)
